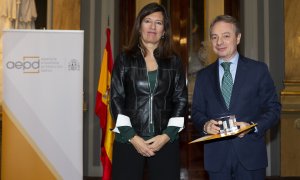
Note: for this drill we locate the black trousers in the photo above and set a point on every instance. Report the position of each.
(128, 164)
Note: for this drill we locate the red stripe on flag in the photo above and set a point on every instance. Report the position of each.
(106, 165)
(102, 109)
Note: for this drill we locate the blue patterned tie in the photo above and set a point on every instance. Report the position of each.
(227, 83)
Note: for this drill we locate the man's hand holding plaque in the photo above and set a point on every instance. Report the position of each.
(228, 126)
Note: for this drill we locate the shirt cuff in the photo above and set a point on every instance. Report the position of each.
(255, 130)
(122, 120)
(177, 122)
(172, 132)
(126, 132)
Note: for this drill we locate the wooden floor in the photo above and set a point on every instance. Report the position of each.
(195, 178)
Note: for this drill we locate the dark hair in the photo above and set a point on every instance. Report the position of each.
(165, 48)
(227, 19)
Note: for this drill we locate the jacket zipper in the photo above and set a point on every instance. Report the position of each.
(151, 100)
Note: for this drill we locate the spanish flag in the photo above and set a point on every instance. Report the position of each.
(102, 109)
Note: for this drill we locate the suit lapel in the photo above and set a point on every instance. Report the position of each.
(239, 81)
(216, 85)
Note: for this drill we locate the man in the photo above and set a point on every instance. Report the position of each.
(246, 91)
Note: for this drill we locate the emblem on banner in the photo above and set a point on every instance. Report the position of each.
(74, 65)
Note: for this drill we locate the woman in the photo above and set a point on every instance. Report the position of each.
(148, 100)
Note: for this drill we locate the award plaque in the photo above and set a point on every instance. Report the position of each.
(224, 134)
(227, 125)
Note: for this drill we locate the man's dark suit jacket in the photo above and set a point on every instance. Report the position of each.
(253, 99)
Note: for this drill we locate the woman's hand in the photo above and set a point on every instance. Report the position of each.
(141, 146)
(157, 142)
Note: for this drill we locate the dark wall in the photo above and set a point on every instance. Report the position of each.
(41, 20)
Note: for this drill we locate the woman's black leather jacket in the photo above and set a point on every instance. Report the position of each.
(131, 95)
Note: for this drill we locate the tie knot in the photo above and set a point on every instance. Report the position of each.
(226, 66)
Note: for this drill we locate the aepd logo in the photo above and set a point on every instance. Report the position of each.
(30, 64)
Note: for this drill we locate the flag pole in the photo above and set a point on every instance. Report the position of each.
(107, 21)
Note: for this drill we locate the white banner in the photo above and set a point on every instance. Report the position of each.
(43, 98)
